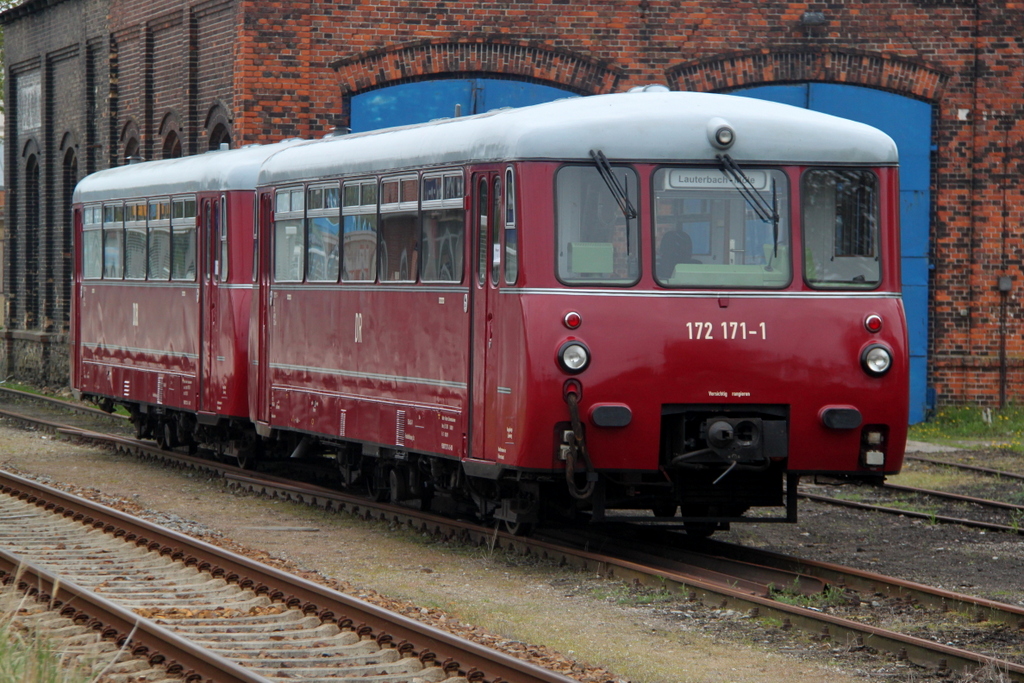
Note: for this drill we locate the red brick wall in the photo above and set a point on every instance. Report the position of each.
(295, 66)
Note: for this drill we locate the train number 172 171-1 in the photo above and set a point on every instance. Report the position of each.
(730, 330)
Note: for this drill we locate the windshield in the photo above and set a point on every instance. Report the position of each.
(597, 243)
(840, 227)
(707, 234)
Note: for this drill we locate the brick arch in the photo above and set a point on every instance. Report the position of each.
(852, 67)
(523, 60)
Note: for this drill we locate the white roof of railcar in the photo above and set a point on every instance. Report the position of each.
(658, 126)
(213, 171)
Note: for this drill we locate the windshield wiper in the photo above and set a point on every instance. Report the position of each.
(768, 213)
(605, 169)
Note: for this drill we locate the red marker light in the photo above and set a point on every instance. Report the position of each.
(572, 320)
(873, 323)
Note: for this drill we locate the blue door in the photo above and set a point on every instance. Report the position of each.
(421, 101)
(909, 123)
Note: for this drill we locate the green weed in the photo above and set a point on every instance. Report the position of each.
(997, 428)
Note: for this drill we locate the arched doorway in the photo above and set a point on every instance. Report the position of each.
(909, 123)
(408, 103)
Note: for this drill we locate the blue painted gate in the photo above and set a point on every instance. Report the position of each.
(909, 123)
(400, 105)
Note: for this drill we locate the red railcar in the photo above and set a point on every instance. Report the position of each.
(660, 302)
(163, 278)
(590, 304)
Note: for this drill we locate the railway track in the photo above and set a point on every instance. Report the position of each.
(210, 614)
(720, 575)
(938, 506)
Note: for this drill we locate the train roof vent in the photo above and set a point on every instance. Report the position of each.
(651, 87)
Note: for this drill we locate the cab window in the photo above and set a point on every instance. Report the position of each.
(710, 231)
(596, 243)
(840, 227)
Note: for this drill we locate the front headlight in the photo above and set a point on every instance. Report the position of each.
(876, 360)
(574, 357)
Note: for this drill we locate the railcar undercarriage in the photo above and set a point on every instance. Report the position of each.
(716, 463)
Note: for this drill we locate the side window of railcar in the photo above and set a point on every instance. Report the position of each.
(444, 227)
(159, 256)
(496, 232)
(92, 242)
(113, 241)
(183, 239)
(135, 241)
(359, 230)
(482, 207)
(709, 233)
(399, 229)
(840, 227)
(323, 227)
(289, 235)
(511, 236)
(222, 263)
(596, 243)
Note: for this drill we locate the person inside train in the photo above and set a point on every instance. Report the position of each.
(676, 247)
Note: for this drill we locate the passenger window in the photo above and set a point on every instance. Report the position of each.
(289, 236)
(92, 242)
(511, 241)
(359, 230)
(399, 229)
(113, 239)
(444, 228)
(183, 239)
(158, 255)
(323, 222)
(840, 227)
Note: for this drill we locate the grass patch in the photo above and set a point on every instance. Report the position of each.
(830, 597)
(18, 386)
(944, 479)
(29, 657)
(631, 596)
(975, 426)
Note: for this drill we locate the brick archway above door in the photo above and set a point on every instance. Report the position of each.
(424, 60)
(850, 67)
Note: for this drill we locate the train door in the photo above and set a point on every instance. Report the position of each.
(259, 407)
(210, 236)
(486, 343)
(76, 293)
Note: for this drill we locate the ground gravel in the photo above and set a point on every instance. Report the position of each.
(578, 624)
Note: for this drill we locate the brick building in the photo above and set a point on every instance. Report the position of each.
(91, 82)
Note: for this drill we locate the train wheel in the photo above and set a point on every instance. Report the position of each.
(246, 459)
(167, 435)
(398, 490)
(378, 483)
(518, 528)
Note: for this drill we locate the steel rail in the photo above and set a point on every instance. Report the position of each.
(140, 636)
(963, 466)
(67, 405)
(981, 609)
(983, 502)
(479, 663)
(973, 523)
(918, 650)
